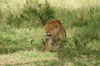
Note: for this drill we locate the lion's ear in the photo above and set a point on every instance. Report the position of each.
(57, 27)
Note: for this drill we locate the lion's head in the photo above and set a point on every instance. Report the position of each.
(51, 29)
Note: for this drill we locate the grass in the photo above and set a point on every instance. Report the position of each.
(27, 58)
(14, 39)
(16, 49)
(24, 45)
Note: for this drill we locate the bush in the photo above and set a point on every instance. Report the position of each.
(15, 20)
(33, 14)
(42, 11)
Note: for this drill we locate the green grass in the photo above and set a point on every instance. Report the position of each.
(23, 44)
(27, 58)
(13, 39)
(16, 49)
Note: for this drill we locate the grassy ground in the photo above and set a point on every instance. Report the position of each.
(18, 49)
(24, 45)
(28, 58)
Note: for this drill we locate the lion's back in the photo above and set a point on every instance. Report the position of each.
(61, 29)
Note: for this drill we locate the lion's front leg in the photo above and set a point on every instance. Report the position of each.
(48, 45)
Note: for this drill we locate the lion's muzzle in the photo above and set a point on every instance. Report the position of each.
(48, 35)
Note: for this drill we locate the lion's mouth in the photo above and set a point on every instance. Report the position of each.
(48, 35)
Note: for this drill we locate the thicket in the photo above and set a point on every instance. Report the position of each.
(34, 13)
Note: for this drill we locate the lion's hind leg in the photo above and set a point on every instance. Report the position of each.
(53, 46)
(57, 46)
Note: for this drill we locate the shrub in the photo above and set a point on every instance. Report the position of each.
(15, 20)
(42, 11)
(33, 14)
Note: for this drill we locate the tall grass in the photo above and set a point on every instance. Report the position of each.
(32, 14)
(70, 12)
(14, 39)
(22, 31)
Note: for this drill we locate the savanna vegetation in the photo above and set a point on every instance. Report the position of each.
(22, 36)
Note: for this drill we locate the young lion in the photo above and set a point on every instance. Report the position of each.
(54, 31)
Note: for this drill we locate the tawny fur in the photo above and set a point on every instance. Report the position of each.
(54, 33)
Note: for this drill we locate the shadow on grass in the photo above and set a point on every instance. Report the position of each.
(81, 56)
(8, 49)
(38, 63)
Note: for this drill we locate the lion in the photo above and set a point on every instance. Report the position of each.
(55, 32)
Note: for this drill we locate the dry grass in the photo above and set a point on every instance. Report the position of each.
(16, 6)
(12, 6)
(26, 57)
(13, 38)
